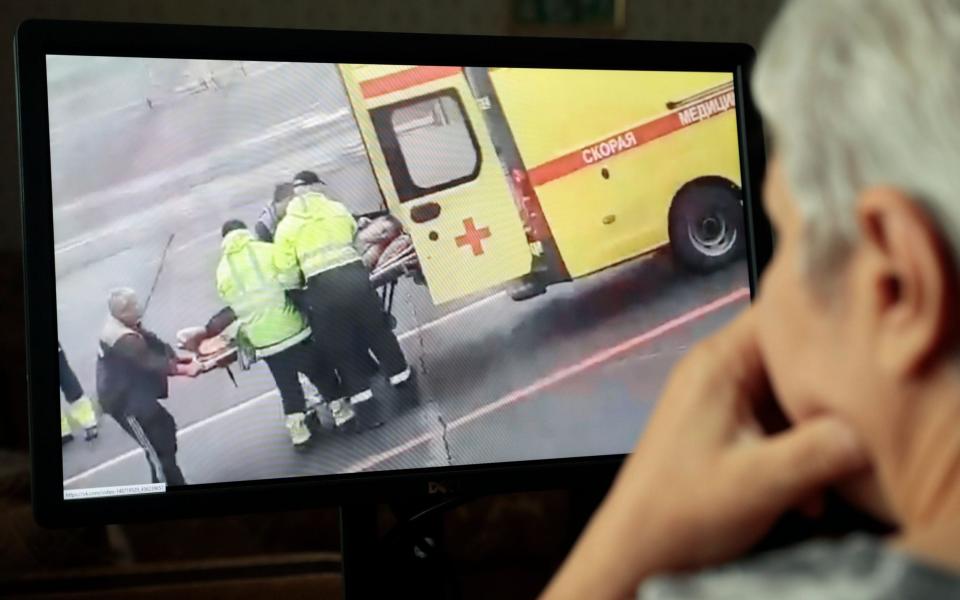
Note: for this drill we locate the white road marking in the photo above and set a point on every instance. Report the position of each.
(195, 240)
(515, 396)
(66, 247)
(269, 394)
(547, 381)
(451, 315)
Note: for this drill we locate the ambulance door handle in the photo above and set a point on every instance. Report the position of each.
(427, 211)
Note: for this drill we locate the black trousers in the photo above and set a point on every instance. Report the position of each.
(349, 325)
(156, 432)
(302, 358)
(72, 390)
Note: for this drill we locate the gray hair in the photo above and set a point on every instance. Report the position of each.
(121, 301)
(858, 93)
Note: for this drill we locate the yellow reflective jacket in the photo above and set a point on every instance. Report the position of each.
(247, 281)
(315, 235)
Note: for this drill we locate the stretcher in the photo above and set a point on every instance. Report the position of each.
(386, 251)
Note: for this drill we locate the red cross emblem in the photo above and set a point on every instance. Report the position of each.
(472, 236)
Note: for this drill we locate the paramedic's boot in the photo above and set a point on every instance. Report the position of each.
(66, 435)
(82, 412)
(401, 377)
(364, 406)
(310, 392)
(318, 413)
(299, 432)
(405, 385)
(343, 413)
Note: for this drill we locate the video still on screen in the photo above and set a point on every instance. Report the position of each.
(275, 270)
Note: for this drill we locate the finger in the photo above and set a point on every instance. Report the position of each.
(805, 458)
(738, 366)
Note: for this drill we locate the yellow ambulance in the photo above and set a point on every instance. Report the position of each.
(526, 177)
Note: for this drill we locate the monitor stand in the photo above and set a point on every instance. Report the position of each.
(408, 561)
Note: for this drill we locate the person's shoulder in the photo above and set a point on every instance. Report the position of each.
(114, 331)
(857, 567)
(323, 197)
(262, 246)
(286, 225)
(130, 340)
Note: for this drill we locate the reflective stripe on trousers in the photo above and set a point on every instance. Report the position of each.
(325, 258)
(151, 452)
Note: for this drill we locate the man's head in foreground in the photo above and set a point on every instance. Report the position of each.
(855, 329)
(857, 314)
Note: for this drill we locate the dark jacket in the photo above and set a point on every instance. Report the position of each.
(266, 225)
(132, 370)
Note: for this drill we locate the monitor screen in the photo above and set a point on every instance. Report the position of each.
(272, 270)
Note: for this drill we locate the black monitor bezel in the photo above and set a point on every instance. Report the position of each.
(36, 39)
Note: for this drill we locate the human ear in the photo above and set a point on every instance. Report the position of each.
(913, 279)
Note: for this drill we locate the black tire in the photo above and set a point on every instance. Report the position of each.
(706, 226)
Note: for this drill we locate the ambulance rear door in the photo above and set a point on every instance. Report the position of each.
(439, 171)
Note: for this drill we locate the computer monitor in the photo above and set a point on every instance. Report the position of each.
(287, 268)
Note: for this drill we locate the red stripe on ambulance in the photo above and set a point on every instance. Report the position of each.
(632, 138)
(402, 80)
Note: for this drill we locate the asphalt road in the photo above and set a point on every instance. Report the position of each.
(571, 373)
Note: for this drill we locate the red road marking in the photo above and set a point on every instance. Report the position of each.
(558, 376)
(400, 80)
(632, 138)
(473, 237)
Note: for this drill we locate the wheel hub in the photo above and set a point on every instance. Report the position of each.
(712, 235)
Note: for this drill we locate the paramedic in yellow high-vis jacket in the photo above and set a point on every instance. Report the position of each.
(313, 249)
(278, 332)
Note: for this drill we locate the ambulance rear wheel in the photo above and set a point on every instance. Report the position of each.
(706, 226)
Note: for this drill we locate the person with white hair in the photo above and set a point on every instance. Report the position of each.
(855, 332)
(133, 365)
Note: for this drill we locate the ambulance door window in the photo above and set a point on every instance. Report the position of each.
(428, 143)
